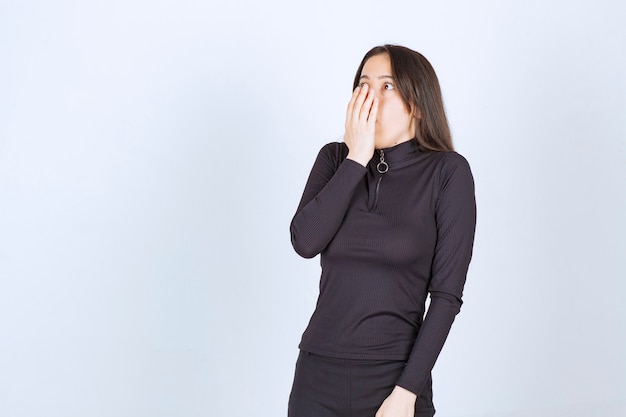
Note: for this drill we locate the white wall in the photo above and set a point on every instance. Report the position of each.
(152, 154)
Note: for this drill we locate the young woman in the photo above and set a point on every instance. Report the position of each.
(392, 213)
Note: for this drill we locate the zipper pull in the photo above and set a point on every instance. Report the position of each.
(382, 166)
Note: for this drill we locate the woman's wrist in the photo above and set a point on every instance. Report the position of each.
(361, 159)
(404, 394)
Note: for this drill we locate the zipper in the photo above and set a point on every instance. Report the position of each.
(382, 167)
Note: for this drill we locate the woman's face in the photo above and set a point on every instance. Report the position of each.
(394, 123)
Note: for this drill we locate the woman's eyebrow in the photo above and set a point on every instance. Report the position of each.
(379, 77)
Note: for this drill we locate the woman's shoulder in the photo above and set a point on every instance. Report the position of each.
(448, 157)
(449, 160)
(335, 147)
(451, 165)
(334, 151)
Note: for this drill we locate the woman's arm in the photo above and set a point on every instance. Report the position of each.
(456, 222)
(333, 178)
(325, 200)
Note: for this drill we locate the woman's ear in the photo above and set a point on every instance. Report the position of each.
(416, 113)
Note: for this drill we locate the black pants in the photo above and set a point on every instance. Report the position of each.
(329, 387)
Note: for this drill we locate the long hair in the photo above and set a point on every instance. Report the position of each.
(419, 88)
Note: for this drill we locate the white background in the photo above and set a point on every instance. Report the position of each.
(152, 154)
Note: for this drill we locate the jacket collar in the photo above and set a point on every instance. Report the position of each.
(398, 153)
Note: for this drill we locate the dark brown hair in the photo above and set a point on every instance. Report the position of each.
(419, 88)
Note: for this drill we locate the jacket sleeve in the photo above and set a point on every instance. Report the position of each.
(456, 221)
(326, 197)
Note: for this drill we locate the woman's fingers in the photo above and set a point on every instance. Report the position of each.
(358, 106)
(360, 124)
(371, 119)
(366, 107)
(360, 99)
(350, 108)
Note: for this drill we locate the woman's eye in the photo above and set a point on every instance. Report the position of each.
(388, 86)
